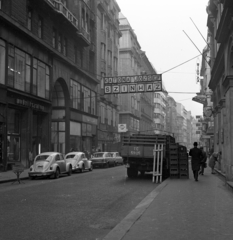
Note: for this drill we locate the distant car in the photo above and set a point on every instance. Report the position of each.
(79, 161)
(49, 164)
(117, 157)
(103, 159)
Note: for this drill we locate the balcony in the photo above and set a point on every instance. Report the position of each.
(85, 36)
(58, 6)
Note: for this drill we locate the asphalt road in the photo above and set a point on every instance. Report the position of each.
(81, 207)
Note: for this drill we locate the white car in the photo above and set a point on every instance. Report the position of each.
(117, 157)
(79, 161)
(49, 164)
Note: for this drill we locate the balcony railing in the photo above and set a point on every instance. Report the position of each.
(61, 8)
(85, 35)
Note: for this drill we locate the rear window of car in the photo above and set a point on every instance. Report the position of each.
(43, 158)
(70, 156)
(97, 155)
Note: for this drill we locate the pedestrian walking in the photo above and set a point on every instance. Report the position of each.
(196, 156)
(203, 161)
(212, 161)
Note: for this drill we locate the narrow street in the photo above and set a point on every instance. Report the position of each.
(84, 206)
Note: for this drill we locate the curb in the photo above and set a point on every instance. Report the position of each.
(119, 231)
(12, 180)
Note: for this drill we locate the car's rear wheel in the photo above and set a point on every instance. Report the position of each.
(70, 171)
(56, 174)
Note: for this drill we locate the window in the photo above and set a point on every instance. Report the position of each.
(59, 43)
(109, 58)
(93, 103)
(75, 54)
(19, 69)
(65, 47)
(115, 64)
(109, 115)
(2, 61)
(114, 117)
(103, 51)
(41, 79)
(75, 94)
(40, 27)
(102, 112)
(54, 38)
(87, 99)
(29, 19)
(102, 21)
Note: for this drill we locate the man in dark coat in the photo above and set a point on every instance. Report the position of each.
(196, 155)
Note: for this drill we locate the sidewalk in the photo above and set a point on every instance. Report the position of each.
(10, 176)
(181, 209)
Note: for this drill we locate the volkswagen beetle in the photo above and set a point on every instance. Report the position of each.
(79, 161)
(49, 164)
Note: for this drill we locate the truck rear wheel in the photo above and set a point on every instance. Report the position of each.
(132, 172)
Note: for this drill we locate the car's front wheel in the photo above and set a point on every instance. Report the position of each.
(56, 174)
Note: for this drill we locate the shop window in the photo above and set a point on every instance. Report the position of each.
(13, 121)
(58, 137)
(2, 61)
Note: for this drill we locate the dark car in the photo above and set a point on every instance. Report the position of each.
(102, 159)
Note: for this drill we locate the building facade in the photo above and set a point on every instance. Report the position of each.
(107, 65)
(47, 77)
(135, 108)
(220, 15)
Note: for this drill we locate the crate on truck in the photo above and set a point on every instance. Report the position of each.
(138, 155)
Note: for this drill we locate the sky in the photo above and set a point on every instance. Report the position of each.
(164, 29)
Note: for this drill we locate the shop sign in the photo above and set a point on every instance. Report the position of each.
(208, 112)
(122, 128)
(132, 84)
(27, 103)
(18, 167)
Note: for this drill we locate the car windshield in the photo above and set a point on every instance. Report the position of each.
(70, 156)
(97, 155)
(46, 158)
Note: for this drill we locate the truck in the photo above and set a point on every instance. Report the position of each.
(137, 151)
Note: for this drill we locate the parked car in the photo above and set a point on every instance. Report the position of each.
(117, 157)
(79, 161)
(103, 159)
(49, 164)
